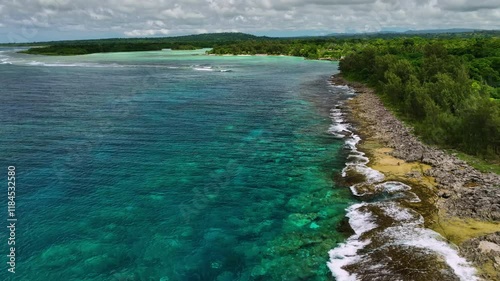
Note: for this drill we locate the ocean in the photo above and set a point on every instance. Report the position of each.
(176, 165)
(171, 165)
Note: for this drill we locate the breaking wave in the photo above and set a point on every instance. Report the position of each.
(390, 241)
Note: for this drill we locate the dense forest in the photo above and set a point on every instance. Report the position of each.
(81, 47)
(308, 48)
(330, 47)
(448, 89)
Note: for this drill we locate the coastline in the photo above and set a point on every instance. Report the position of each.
(459, 202)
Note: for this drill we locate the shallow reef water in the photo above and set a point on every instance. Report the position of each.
(177, 166)
(151, 166)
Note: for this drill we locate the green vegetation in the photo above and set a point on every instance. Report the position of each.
(81, 47)
(480, 164)
(330, 47)
(447, 89)
(308, 48)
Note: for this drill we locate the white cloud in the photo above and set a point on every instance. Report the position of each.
(177, 12)
(468, 5)
(146, 32)
(161, 17)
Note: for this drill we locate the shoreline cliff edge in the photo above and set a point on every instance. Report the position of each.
(459, 202)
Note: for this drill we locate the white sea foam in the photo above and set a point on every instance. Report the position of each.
(355, 191)
(338, 129)
(76, 64)
(398, 190)
(5, 61)
(352, 142)
(404, 226)
(210, 68)
(401, 214)
(433, 242)
(346, 89)
(206, 68)
(336, 113)
(392, 187)
(359, 220)
(342, 87)
(405, 230)
(345, 254)
(371, 175)
(357, 159)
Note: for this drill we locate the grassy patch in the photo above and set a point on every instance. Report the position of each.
(485, 166)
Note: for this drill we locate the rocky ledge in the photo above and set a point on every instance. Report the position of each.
(463, 191)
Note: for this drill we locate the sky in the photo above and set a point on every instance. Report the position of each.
(43, 20)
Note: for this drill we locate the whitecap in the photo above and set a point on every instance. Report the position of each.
(392, 187)
(357, 159)
(203, 68)
(371, 175)
(400, 214)
(352, 142)
(338, 129)
(432, 241)
(403, 230)
(76, 64)
(360, 221)
(345, 254)
(5, 61)
(341, 87)
(397, 190)
(209, 68)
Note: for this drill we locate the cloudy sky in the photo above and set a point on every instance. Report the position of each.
(39, 20)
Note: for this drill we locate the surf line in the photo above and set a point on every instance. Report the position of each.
(389, 236)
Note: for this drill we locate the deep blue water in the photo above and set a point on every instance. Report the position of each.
(170, 166)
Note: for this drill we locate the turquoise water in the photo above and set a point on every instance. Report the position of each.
(171, 166)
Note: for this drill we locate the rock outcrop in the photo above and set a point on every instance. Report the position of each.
(468, 192)
(463, 191)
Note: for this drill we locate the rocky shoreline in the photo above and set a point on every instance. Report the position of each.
(461, 192)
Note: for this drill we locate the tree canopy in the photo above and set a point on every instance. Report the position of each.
(448, 89)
